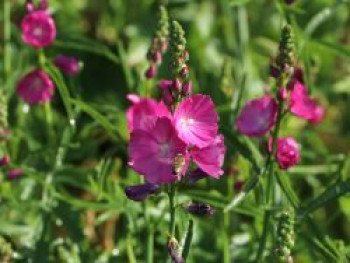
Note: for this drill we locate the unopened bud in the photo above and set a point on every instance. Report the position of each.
(200, 209)
(15, 173)
(5, 160)
(151, 72)
(140, 192)
(187, 88)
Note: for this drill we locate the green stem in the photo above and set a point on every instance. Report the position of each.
(226, 239)
(7, 39)
(150, 243)
(130, 250)
(188, 240)
(263, 239)
(172, 193)
(49, 123)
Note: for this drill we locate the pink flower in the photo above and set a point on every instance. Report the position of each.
(143, 114)
(287, 152)
(152, 153)
(196, 120)
(211, 158)
(35, 87)
(257, 117)
(69, 65)
(13, 174)
(303, 106)
(38, 29)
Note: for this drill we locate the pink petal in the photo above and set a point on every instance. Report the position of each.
(211, 158)
(196, 120)
(257, 117)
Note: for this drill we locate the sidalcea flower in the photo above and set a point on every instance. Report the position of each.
(69, 65)
(144, 113)
(35, 87)
(152, 152)
(38, 29)
(257, 117)
(287, 152)
(211, 158)
(15, 173)
(200, 209)
(303, 106)
(196, 120)
(5, 160)
(141, 192)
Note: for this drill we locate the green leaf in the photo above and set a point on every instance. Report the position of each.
(338, 49)
(239, 2)
(333, 192)
(98, 117)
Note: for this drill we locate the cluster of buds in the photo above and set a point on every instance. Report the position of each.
(4, 130)
(174, 251)
(159, 43)
(285, 237)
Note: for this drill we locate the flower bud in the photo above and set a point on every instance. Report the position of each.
(177, 85)
(282, 94)
(200, 209)
(5, 160)
(140, 192)
(196, 175)
(238, 185)
(187, 88)
(287, 152)
(184, 72)
(13, 174)
(157, 57)
(274, 72)
(165, 84)
(151, 72)
(175, 251)
(69, 65)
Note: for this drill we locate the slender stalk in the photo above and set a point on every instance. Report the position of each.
(226, 239)
(49, 123)
(263, 239)
(129, 249)
(188, 240)
(172, 193)
(7, 39)
(150, 243)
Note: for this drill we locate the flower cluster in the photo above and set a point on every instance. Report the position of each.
(285, 236)
(260, 116)
(166, 135)
(159, 43)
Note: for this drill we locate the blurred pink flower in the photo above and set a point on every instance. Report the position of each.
(133, 98)
(5, 160)
(15, 173)
(303, 106)
(69, 65)
(152, 153)
(287, 152)
(35, 87)
(257, 117)
(144, 113)
(38, 29)
(196, 121)
(211, 158)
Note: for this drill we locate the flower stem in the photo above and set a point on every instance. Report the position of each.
(7, 39)
(150, 243)
(172, 193)
(188, 240)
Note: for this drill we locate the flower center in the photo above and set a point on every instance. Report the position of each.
(36, 85)
(164, 149)
(186, 122)
(38, 32)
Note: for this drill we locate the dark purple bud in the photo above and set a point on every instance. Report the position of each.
(44, 4)
(69, 65)
(184, 72)
(187, 88)
(151, 72)
(13, 174)
(157, 57)
(29, 6)
(177, 85)
(200, 209)
(274, 72)
(289, 2)
(196, 175)
(298, 74)
(282, 94)
(168, 97)
(140, 192)
(5, 160)
(174, 251)
(238, 185)
(165, 84)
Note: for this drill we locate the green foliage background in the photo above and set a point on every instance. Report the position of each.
(70, 206)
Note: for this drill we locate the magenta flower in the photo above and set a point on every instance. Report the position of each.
(211, 158)
(257, 117)
(144, 113)
(36, 87)
(287, 152)
(303, 106)
(38, 29)
(69, 65)
(152, 153)
(196, 120)
(15, 173)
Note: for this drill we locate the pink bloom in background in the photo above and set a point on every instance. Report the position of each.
(257, 117)
(15, 173)
(303, 106)
(287, 152)
(211, 158)
(152, 152)
(5, 160)
(69, 65)
(36, 87)
(196, 120)
(38, 29)
(144, 113)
